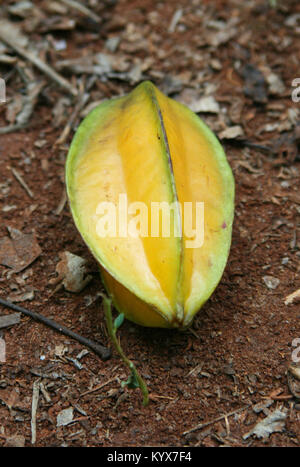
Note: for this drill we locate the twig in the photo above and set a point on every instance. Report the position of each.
(202, 425)
(100, 386)
(61, 204)
(79, 105)
(34, 406)
(83, 9)
(22, 182)
(103, 352)
(45, 393)
(175, 19)
(49, 71)
(11, 128)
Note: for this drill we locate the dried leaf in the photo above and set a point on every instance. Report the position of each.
(22, 296)
(19, 251)
(72, 272)
(64, 417)
(10, 397)
(274, 422)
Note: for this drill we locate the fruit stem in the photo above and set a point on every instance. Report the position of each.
(112, 332)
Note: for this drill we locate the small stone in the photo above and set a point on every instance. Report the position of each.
(271, 282)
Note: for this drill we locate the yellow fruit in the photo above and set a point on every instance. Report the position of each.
(146, 148)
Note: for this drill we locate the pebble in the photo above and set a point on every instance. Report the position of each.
(271, 282)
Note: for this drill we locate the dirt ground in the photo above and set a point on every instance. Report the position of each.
(235, 359)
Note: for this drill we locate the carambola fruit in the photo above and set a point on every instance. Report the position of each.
(139, 154)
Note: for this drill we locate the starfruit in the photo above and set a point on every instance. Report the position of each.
(138, 161)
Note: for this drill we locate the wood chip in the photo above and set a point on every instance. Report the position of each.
(293, 297)
(2, 350)
(34, 407)
(9, 320)
(21, 296)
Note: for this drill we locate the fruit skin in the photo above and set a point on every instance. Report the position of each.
(186, 163)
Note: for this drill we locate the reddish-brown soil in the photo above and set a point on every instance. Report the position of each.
(240, 344)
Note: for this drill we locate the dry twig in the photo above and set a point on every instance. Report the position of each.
(217, 419)
(103, 352)
(100, 386)
(83, 9)
(34, 406)
(22, 182)
(69, 125)
(35, 60)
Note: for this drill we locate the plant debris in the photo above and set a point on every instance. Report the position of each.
(232, 132)
(293, 297)
(274, 422)
(255, 84)
(19, 250)
(293, 379)
(72, 272)
(65, 417)
(9, 320)
(2, 350)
